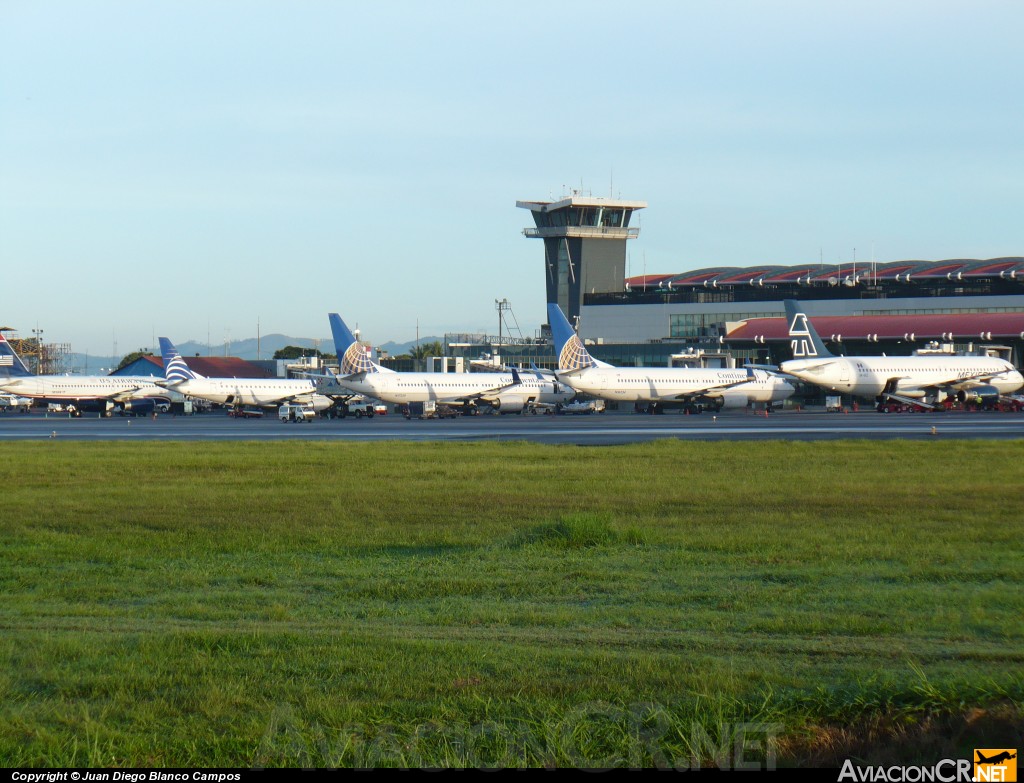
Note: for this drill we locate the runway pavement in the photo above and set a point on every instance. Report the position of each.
(596, 429)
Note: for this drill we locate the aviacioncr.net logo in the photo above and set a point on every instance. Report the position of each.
(995, 764)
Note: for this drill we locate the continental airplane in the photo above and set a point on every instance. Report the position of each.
(923, 380)
(237, 392)
(506, 392)
(697, 388)
(137, 394)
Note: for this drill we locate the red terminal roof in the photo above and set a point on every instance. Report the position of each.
(790, 275)
(650, 281)
(1012, 267)
(747, 275)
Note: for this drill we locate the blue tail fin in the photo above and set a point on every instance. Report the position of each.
(568, 346)
(175, 369)
(351, 355)
(11, 365)
(803, 339)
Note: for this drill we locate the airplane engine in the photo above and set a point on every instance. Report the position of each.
(985, 391)
(141, 407)
(726, 401)
(510, 403)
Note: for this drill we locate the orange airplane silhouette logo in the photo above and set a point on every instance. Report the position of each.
(995, 764)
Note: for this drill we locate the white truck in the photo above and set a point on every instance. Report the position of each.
(357, 408)
(296, 412)
(581, 406)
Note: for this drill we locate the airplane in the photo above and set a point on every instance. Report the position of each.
(696, 388)
(505, 392)
(1004, 756)
(103, 393)
(919, 380)
(237, 392)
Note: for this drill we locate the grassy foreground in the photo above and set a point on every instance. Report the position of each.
(668, 604)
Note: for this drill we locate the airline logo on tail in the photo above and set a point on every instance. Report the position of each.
(175, 369)
(802, 344)
(805, 342)
(9, 359)
(352, 356)
(571, 353)
(356, 359)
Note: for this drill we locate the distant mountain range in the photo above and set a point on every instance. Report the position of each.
(268, 345)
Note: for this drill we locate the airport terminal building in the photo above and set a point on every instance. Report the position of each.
(895, 308)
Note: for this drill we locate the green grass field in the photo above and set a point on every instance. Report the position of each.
(401, 604)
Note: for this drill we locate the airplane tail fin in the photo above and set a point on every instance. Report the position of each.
(572, 355)
(11, 365)
(352, 357)
(803, 338)
(175, 369)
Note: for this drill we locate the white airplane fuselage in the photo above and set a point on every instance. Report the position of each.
(665, 384)
(84, 387)
(259, 392)
(456, 388)
(915, 376)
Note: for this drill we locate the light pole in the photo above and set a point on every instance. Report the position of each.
(501, 306)
(37, 333)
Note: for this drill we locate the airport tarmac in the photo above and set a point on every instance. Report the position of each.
(596, 429)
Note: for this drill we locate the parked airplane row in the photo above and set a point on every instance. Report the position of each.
(143, 394)
(925, 380)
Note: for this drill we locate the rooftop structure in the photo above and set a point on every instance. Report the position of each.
(895, 279)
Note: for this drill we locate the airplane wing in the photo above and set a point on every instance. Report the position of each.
(707, 390)
(819, 366)
(356, 377)
(323, 382)
(166, 384)
(317, 376)
(305, 396)
(774, 370)
(541, 374)
(483, 394)
(122, 395)
(559, 374)
(516, 381)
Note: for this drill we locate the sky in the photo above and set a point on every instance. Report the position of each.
(204, 171)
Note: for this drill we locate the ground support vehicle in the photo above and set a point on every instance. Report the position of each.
(429, 410)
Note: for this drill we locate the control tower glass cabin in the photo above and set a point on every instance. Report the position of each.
(584, 246)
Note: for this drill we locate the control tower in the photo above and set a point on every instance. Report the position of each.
(584, 246)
